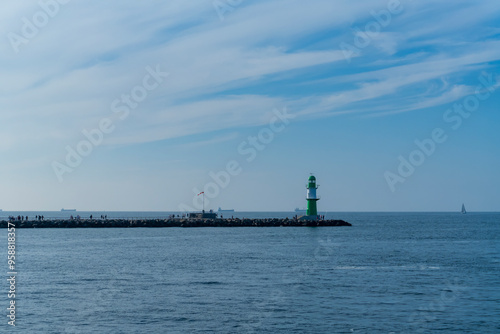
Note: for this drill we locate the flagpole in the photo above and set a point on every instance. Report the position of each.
(203, 205)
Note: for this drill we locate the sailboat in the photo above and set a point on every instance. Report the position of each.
(463, 209)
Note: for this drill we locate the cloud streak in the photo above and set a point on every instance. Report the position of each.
(226, 75)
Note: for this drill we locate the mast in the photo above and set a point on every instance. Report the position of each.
(203, 201)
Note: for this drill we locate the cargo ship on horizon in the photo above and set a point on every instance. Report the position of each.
(226, 210)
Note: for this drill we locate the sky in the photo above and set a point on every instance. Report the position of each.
(140, 106)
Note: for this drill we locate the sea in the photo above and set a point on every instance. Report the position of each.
(388, 273)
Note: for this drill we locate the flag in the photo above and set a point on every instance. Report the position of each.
(200, 193)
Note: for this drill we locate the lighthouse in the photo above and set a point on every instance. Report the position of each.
(312, 210)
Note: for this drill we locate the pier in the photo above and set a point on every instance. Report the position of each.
(171, 222)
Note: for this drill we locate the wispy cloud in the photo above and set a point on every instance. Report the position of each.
(224, 77)
(210, 142)
(90, 53)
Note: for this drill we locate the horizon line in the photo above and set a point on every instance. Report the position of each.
(253, 211)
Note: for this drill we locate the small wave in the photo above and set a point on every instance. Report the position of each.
(208, 283)
(386, 268)
(413, 293)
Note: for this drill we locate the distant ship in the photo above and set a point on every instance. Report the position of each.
(227, 210)
(64, 210)
(463, 209)
(300, 210)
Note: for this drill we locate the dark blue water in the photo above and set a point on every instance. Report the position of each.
(388, 273)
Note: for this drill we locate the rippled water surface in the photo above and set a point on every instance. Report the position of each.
(388, 273)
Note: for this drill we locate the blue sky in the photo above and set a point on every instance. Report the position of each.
(360, 82)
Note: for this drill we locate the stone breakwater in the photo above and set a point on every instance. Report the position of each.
(176, 222)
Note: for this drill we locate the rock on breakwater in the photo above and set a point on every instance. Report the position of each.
(175, 222)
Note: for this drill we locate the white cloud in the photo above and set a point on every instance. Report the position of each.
(65, 79)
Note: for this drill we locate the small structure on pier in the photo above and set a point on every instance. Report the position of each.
(202, 215)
